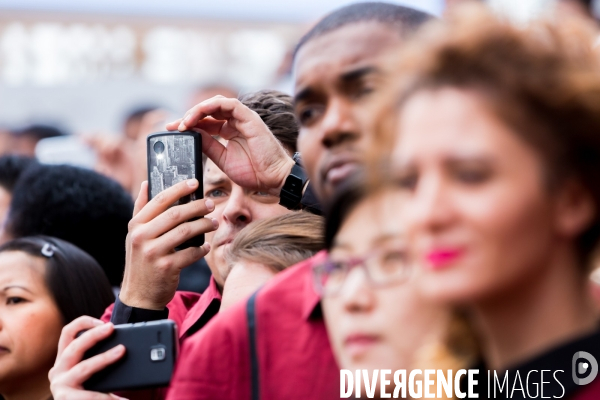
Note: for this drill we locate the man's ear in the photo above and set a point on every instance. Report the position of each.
(575, 209)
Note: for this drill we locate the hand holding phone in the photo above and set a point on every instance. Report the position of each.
(174, 157)
(151, 350)
(162, 224)
(70, 370)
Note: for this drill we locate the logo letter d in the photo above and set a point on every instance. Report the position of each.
(592, 363)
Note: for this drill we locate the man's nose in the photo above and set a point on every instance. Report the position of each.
(339, 124)
(237, 210)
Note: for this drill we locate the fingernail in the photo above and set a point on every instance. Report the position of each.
(97, 322)
(206, 247)
(181, 126)
(117, 349)
(187, 119)
(215, 223)
(210, 205)
(192, 183)
(107, 327)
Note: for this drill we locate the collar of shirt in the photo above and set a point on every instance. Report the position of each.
(206, 308)
(311, 307)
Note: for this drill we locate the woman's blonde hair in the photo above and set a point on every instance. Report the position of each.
(278, 242)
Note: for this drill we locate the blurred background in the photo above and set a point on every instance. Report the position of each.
(83, 67)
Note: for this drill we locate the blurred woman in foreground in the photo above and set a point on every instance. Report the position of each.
(45, 283)
(499, 157)
(376, 318)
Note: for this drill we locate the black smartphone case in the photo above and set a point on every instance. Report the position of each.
(180, 159)
(147, 363)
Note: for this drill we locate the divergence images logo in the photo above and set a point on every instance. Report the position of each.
(581, 367)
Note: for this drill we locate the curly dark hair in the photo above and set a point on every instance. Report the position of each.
(11, 168)
(76, 205)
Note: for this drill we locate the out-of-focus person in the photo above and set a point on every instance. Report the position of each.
(22, 140)
(123, 157)
(11, 168)
(76, 205)
(502, 188)
(264, 248)
(206, 92)
(587, 9)
(45, 283)
(370, 297)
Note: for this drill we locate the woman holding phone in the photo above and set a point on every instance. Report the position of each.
(502, 189)
(45, 283)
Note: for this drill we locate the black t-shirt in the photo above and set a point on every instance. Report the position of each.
(554, 372)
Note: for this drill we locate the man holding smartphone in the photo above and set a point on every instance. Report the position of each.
(338, 66)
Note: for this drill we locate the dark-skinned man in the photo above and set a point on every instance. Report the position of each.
(337, 69)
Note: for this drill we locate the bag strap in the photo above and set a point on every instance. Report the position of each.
(251, 314)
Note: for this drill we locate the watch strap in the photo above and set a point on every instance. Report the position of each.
(291, 192)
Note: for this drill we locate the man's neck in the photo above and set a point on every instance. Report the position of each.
(551, 307)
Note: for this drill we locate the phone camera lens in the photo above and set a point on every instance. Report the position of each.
(159, 147)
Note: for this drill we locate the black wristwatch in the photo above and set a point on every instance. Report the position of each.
(291, 192)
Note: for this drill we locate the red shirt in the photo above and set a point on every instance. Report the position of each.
(294, 356)
(190, 311)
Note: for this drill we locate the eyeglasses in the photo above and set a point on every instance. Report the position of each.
(382, 268)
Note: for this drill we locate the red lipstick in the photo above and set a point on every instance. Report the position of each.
(439, 259)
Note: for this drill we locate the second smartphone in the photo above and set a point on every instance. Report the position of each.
(174, 157)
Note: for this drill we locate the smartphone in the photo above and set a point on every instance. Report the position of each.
(151, 350)
(172, 158)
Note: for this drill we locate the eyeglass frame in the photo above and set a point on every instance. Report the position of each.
(350, 264)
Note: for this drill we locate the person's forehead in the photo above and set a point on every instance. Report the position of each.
(17, 267)
(213, 173)
(333, 53)
(377, 217)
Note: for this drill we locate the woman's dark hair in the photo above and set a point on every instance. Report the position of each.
(77, 282)
(345, 199)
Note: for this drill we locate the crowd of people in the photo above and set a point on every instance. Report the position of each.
(428, 199)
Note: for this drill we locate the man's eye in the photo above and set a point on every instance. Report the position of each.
(14, 300)
(308, 114)
(215, 193)
(263, 194)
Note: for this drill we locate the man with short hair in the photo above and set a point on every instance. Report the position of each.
(286, 355)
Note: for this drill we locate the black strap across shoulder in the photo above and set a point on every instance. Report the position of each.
(251, 314)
